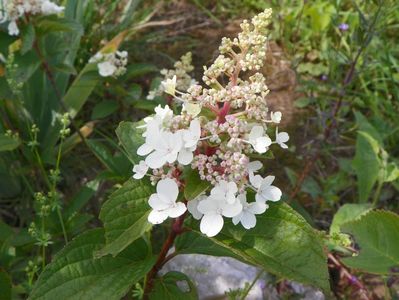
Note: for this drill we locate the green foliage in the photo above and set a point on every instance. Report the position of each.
(8, 143)
(5, 286)
(76, 274)
(130, 139)
(290, 247)
(124, 216)
(348, 213)
(194, 185)
(173, 286)
(377, 234)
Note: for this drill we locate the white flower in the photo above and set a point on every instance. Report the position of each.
(13, 28)
(162, 118)
(214, 210)
(276, 116)
(193, 109)
(192, 207)
(254, 166)
(282, 138)
(193, 134)
(140, 170)
(185, 156)
(249, 210)
(258, 141)
(164, 203)
(106, 68)
(151, 140)
(169, 86)
(49, 8)
(166, 149)
(265, 190)
(225, 191)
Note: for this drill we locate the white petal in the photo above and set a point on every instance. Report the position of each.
(185, 157)
(255, 180)
(177, 210)
(231, 210)
(254, 166)
(282, 137)
(168, 188)
(144, 149)
(256, 132)
(257, 208)
(248, 220)
(272, 193)
(210, 205)
(157, 217)
(156, 159)
(236, 219)
(192, 207)
(158, 203)
(106, 68)
(268, 180)
(211, 224)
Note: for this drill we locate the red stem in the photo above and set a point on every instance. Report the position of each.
(221, 118)
(177, 228)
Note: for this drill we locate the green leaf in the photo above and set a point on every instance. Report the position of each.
(104, 109)
(366, 164)
(130, 139)
(75, 274)
(377, 234)
(347, 213)
(365, 126)
(49, 24)
(282, 243)
(139, 69)
(81, 88)
(5, 286)
(8, 143)
(302, 102)
(194, 185)
(28, 38)
(125, 215)
(173, 286)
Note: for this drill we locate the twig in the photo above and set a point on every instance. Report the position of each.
(177, 228)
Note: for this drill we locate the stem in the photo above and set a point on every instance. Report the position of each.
(177, 228)
(246, 292)
(44, 248)
(377, 193)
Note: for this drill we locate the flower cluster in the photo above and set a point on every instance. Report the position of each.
(12, 10)
(217, 133)
(179, 77)
(110, 64)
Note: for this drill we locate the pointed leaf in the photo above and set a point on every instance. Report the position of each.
(75, 274)
(125, 215)
(347, 213)
(282, 243)
(377, 234)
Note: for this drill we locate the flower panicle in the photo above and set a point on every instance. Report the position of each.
(218, 131)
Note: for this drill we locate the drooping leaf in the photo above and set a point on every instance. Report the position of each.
(125, 214)
(347, 213)
(130, 139)
(5, 286)
(76, 274)
(377, 234)
(282, 243)
(173, 286)
(8, 143)
(366, 164)
(194, 185)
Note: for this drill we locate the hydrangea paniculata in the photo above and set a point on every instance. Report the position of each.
(12, 10)
(110, 64)
(219, 129)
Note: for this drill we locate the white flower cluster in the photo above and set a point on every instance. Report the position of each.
(179, 76)
(216, 134)
(110, 64)
(12, 10)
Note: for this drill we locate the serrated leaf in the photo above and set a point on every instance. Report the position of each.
(8, 143)
(366, 164)
(124, 215)
(173, 286)
(194, 185)
(75, 274)
(347, 213)
(282, 243)
(377, 234)
(130, 139)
